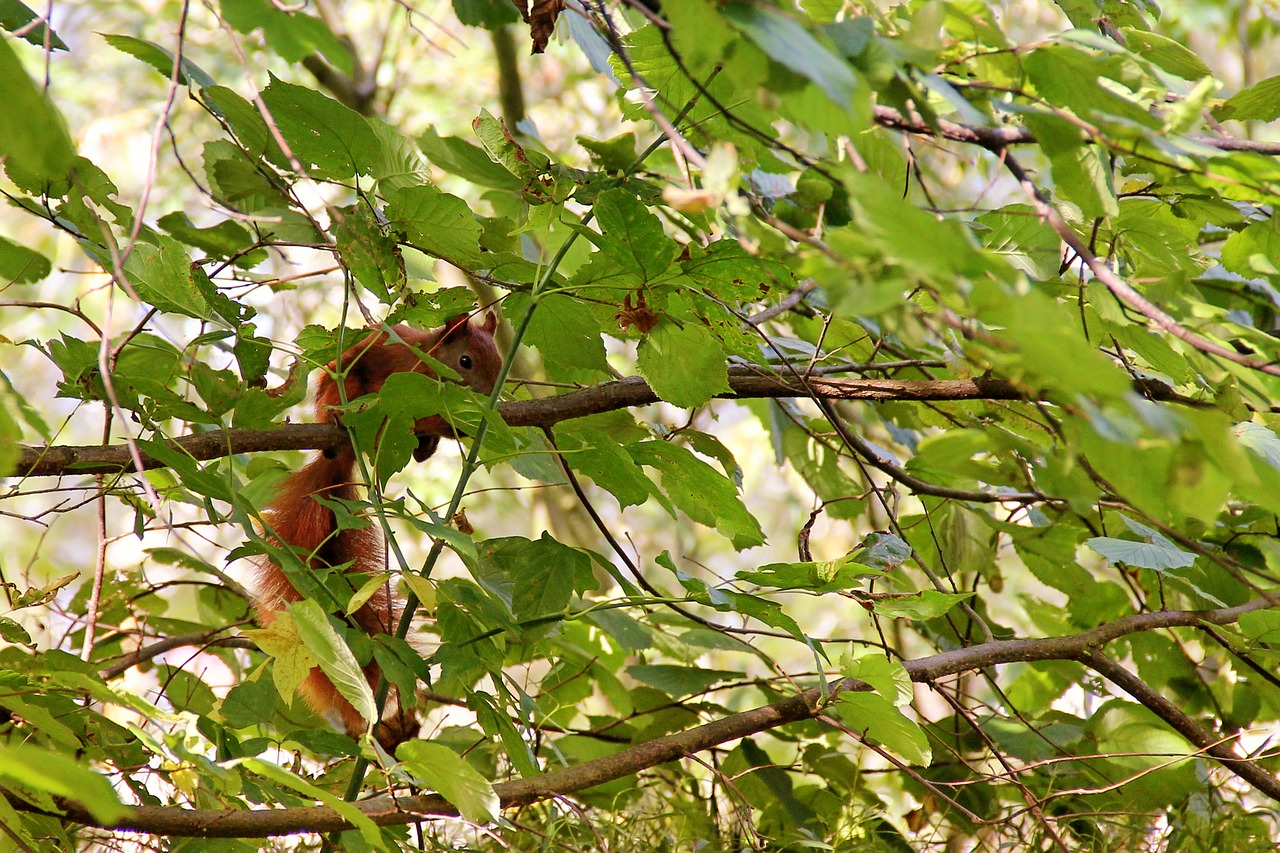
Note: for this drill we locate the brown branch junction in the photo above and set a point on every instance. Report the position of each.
(744, 383)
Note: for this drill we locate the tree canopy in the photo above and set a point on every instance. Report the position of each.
(885, 457)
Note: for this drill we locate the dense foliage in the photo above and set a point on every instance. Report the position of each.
(887, 460)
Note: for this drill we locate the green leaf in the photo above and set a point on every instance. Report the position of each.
(593, 453)
(164, 276)
(34, 143)
(236, 181)
(1259, 102)
(222, 240)
(333, 656)
(399, 163)
(11, 631)
(564, 331)
(1156, 553)
(1019, 233)
(20, 265)
(1253, 250)
(371, 255)
(330, 140)
(461, 158)
(160, 59)
(685, 366)
(889, 677)
(249, 703)
(631, 237)
(537, 576)
(293, 35)
(1260, 440)
(1166, 53)
(700, 491)
(46, 774)
(680, 681)
(787, 42)
(490, 14)
(1080, 174)
(875, 717)
(16, 16)
(436, 223)
(443, 770)
(825, 576)
(1262, 626)
(924, 605)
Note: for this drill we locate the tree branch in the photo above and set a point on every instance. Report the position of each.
(1213, 744)
(745, 383)
(999, 137)
(387, 810)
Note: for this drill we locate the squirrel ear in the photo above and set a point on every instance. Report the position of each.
(459, 324)
(490, 322)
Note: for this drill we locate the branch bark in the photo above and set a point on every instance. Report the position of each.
(745, 383)
(386, 810)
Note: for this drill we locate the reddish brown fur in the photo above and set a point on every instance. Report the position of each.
(309, 527)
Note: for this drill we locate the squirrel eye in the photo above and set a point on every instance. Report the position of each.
(465, 362)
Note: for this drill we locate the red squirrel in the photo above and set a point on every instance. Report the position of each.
(310, 527)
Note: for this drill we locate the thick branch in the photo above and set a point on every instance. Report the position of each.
(1213, 744)
(385, 810)
(60, 460)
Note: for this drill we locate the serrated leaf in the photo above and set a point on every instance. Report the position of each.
(10, 631)
(595, 454)
(564, 331)
(443, 770)
(631, 236)
(293, 35)
(461, 158)
(537, 576)
(162, 275)
(222, 240)
(333, 656)
(371, 255)
(824, 576)
(889, 677)
(684, 366)
(1019, 233)
(16, 17)
(700, 491)
(1259, 102)
(884, 551)
(399, 163)
(329, 139)
(160, 59)
(249, 703)
(436, 223)
(1261, 626)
